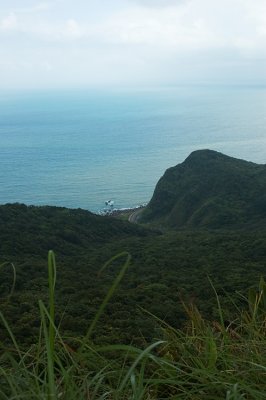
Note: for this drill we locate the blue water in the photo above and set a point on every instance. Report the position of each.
(80, 148)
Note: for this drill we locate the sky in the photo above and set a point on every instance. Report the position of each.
(131, 43)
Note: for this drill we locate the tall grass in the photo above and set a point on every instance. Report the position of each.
(205, 360)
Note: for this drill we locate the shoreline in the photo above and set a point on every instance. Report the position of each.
(123, 213)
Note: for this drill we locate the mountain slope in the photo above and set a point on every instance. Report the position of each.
(162, 267)
(212, 190)
(35, 230)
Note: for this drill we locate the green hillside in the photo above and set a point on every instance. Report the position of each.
(150, 341)
(34, 230)
(210, 190)
(163, 268)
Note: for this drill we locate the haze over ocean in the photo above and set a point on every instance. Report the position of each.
(81, 148)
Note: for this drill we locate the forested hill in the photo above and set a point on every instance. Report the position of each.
(35, 230)
(210, 190)
(169, 272)
(163, 267)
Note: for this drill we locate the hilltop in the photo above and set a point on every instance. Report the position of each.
(210, 190)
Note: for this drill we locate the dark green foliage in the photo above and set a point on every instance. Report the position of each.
(169, 270)
(210, 190)
(34, 230)
(164, 268)
(203, 360)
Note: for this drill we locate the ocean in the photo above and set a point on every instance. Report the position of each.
(81, 148)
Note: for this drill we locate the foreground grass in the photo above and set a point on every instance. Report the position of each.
(205, 360)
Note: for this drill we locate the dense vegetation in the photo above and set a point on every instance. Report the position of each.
(164, 268)
(210, 190)
(203, 361)
(217, 203)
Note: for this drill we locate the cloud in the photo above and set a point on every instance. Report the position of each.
(192, 25)
(44, 6)
(73, 29)
(40, 7)
(9, 23)
(159, 28)
(159, 3)
(188, 26)
(135, 40)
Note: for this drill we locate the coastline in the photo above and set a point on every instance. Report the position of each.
(124, 213)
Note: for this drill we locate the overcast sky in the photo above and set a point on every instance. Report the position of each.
(83, 43)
